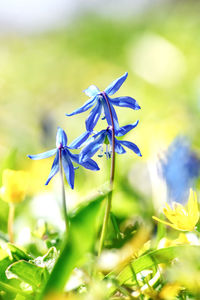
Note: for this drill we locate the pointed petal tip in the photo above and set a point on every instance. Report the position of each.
(48, 180)
(136, 123)
(71, 186)
(138, 153)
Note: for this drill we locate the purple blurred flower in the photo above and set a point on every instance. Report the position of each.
(179, 168)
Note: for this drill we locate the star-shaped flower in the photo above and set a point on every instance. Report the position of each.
(67, 158)
(105, 137)
(98, 100)
(180, 217)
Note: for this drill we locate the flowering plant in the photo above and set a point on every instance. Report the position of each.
(180, 217)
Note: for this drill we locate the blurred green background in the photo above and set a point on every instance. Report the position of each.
(43, 74)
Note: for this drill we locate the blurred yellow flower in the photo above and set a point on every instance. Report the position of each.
(181, 240)
(170, 291)
(182, 218)
(14, 186)
(60, 296)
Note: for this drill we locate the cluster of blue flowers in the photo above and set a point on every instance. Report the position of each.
(90, 141)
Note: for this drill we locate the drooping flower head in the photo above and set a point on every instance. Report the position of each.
(67, 159)
(98, 100)
(105, 137)
(180, 217)
(14, 186)
(179, 168)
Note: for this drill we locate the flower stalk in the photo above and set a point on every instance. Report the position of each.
(112, 176)
(63, 191)
(11, 215)
(63, 161)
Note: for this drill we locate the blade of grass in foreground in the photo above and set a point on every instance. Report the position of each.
(164, 255)
(80, 239)
(148, 261)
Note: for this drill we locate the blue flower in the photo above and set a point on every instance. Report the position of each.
(99, 98)
(105, 137)
(180, 167)
(67, 158)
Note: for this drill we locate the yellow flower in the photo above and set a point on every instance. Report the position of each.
(170, 291)
(182, 218)
(14, 186)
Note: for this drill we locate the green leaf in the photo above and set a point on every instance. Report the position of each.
(17, 253)
(34, 272)
(27, 272)
(80, 240)
(10, 287)
(153, 258)
(148, 261)
(48, 260)
(9, 254)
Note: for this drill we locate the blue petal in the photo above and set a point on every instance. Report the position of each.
(92, 138)
(98, 134)
(54, 168)
(83, 108)
(92, 91)
(118, 147)
(89, 140)
(43, 155)
(131, 146)
(92, 148)
(61, 138)
(89, 164)
(115, 119)
(79, 140)
(115, 85)
(125, 102)
(107, 115)
(93, 117)
(68, 168)
(125, 129)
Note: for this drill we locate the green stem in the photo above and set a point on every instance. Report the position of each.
(112, 174)
(105, 222)
(115, 226)
(63, 190)
(135, 278)
(11, 215)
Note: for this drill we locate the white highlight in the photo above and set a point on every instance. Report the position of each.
(157, 60)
